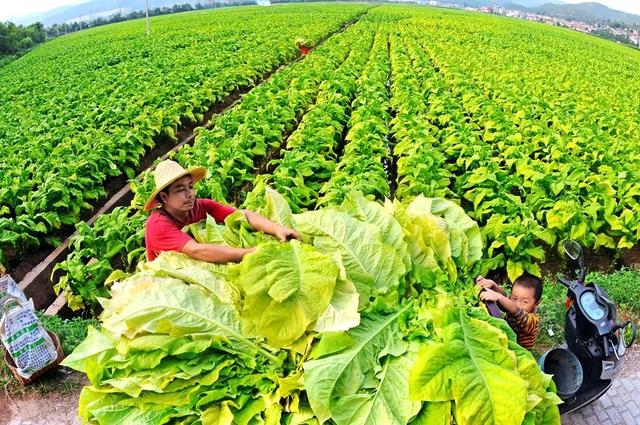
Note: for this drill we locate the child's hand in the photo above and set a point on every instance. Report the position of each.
(485, 283)
(490, 295)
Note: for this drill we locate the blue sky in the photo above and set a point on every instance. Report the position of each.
(13, 9)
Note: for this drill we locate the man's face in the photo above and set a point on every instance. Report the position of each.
(524, 297)
(180, 196)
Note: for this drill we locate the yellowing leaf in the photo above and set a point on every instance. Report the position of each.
(578, 231)
(625, 243)
(486, 388)
(287, 287)
(513, 242)
(514, 270)
(604, 240)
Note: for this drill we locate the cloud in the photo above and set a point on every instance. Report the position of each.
(16, 9)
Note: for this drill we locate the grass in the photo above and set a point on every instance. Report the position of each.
(623, 287)
(71, 332)
(552, 312)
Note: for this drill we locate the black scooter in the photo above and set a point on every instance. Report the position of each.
(584, 367)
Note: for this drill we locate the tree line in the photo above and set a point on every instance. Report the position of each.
(610, 35)
(15, 39)
(60, 29)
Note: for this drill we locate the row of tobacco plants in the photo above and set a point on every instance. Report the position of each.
(85, 108)
(397, 106)
(236, 141)
(535, 157)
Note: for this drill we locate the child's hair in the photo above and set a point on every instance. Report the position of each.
(530, 281)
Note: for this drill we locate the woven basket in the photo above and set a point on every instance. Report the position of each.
(37, 375)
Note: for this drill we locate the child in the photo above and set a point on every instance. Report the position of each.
(520, 306)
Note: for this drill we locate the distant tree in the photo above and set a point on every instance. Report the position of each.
(605, 33)
(17, 39)
(617, 24)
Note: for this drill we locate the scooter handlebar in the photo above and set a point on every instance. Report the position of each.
(566, 281)
(493, 309)
(620, 325)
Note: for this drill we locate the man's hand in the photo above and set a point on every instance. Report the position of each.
(284, 234)
(490, 295)
(265, 225)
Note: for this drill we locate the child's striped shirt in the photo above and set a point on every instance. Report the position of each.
(526, 326)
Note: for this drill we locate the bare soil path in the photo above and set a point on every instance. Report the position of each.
(51, 401)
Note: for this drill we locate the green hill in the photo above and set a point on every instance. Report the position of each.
(588, 12)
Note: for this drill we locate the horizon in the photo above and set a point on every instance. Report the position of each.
(20, 11)
(620, 5)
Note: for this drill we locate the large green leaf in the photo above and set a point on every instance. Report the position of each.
(356, 205)
(370, 264)
(145, 304)
(542, 407)
(386, 404)
(464, 233)
(350, 366)
(239, 233)
(130, 415)
(210, 276)
(277, 208)
(342, 312)
(428, 241)
(434, 413)
(435, 233)
(487, 388)
(208, 231)
(286, 288)
(96, 346)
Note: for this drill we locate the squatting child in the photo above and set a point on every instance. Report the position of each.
(520, 306)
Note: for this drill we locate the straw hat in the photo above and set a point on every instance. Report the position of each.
(166, 173)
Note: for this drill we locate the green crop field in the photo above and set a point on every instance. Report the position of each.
(85, 107)
(529, 131)
(530, 128)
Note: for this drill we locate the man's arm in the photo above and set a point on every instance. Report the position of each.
(265, 225)
(214, 253)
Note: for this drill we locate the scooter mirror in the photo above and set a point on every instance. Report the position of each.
(629, 334)
(572, 249)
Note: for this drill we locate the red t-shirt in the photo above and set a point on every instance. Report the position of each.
(164, 233)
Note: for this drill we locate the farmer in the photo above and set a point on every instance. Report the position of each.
(178, 206)
(520, 306)
(302, 46)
